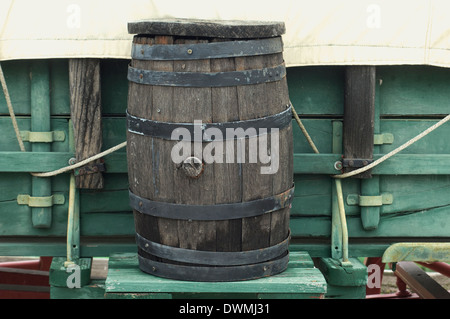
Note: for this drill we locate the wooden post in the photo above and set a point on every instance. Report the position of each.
(359, 110)
(361, 120)
(86, 113)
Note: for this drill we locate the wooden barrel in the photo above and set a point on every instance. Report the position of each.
(205, 209)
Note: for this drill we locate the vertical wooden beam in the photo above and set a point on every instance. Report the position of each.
(40, 122)
(86, 114)
(359, 108)
(361, 119)
(370, 216)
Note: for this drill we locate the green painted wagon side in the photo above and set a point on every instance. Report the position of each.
(409, 99)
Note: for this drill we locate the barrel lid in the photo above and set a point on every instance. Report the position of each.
(231, 29)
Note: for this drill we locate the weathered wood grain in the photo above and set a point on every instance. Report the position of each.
(228, 188)
(359, 108)
(231, 29)
(220, 182)
(86, 114)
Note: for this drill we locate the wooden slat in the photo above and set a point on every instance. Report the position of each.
(419, 281)
(191, 104)
(86, 113)
(225, 108)
(124, 276)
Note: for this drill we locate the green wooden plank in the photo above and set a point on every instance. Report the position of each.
(131, 280)
(8, 140)
(404, 130)
(320, 132)
(293, 280)
(47, 161)
(33, 161)
(414, 164)
(433, 222)
(17, 76)
(316, 163)
(114, 86)
(400, 164)
(300, 259)
(411, 193)
(59, 87)
(414, 90)
(56, 246)
(111, 201)
(317, 90)
(104, 224)
(114, 132)
(415, 193)
(95, 290)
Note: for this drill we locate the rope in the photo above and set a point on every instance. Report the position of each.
(122, 145)
(303, 129)
(397, 150)
(381, 159)
(22, 147)
(11, 110)
(82, 163)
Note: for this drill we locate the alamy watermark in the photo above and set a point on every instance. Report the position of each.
(374, 276)
(221, 146)
(74, 279)
(73, 20)
(373, 20)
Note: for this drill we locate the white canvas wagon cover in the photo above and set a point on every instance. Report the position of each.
(321, 32)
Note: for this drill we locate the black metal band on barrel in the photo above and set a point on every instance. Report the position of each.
(212, 212)
(169, 131)
(212, 258)
(213, 50)
(214, 274)
(209, 79)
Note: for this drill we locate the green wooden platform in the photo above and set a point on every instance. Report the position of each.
(301, 280)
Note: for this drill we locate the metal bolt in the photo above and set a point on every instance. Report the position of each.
(189, 51)
(72, 161)
(338, 165)
(158, 110)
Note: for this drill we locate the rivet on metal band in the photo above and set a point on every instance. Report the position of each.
(213, 50)
(209, 79)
